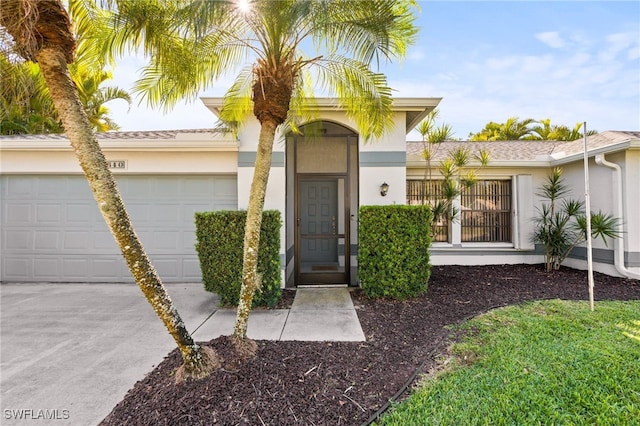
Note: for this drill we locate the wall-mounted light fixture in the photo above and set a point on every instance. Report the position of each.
(384, 188)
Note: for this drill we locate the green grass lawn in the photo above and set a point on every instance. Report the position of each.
(548, 362)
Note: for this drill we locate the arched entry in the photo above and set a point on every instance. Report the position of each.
(322, 203)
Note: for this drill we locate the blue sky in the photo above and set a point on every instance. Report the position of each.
(570, 61)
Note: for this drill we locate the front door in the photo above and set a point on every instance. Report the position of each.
(322, 237)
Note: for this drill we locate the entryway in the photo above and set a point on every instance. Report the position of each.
(322, 203)
(321, 235)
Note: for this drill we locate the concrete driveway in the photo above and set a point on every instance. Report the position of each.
(70, 352)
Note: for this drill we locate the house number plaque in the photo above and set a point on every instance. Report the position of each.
(118, 164)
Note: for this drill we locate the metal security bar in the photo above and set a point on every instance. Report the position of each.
(427, 192)
(486, 211)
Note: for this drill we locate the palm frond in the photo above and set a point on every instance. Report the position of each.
(363, 93)
(370, 30)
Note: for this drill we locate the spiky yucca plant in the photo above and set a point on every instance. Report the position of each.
(562, 223)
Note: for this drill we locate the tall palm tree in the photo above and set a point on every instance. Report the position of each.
(41, 32)
(512, 130)
(192, 43)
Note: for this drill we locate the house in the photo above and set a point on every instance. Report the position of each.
(52, 230)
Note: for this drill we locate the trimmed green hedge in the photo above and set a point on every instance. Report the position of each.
(393, 250)
(220, 239)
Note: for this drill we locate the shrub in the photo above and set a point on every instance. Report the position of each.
(220, 239)
(562, 223)
(393, 250)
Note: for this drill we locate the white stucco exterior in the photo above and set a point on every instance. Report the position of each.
(209, 163)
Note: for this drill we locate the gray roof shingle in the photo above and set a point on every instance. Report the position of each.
(522, 150)
(134, 135)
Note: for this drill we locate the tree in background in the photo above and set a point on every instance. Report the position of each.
(545, 131)
(193, 43)
(26, 106)
(528, 129)
(94, 97)
(40, 31)
(511, 130)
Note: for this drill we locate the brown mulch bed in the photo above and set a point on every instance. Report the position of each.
(324, 383)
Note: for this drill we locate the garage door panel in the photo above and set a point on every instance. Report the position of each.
(81, 214)
(168, 269)
(163, 241)
(19, 187)
(103, 240)
(139, 214)
(191, 270)
(53, 230)
(188, 240)
(109, 269)
(46, 269)
(18, 239)
(77, 240)
(17, 213)
(18, 269)
(46, 240)
(167, 188)
(75, 268)
(169, 213)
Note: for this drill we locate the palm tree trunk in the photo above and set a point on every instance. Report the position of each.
(197, 362)
(251, 281)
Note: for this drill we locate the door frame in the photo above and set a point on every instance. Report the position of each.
(324, 277)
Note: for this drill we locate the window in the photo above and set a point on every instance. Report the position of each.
(428, 192)
(485, 211)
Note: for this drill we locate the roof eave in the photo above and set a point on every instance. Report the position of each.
(414, 161)
(124, 145)
(415, 108)
(609, 149)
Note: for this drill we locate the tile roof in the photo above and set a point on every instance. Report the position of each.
(522, 150)
(498, 150)
(136, 135)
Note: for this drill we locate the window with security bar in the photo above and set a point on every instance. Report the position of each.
(429, 192)
(485, 211)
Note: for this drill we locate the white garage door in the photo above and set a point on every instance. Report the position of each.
(52, 230)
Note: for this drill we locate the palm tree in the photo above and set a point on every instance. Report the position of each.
(41, 32)
(432, 137)
(25, 104)
(511, 130)
(94, 97)
(549, 132)
(214, 38)
(27, 107)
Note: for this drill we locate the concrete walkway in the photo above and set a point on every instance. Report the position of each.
(317, 314)
(70, 352)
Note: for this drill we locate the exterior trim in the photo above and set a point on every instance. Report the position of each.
(383, 159)
(606, 256)
(248, 159)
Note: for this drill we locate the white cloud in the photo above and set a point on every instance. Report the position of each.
(620, 43)
(551, 39)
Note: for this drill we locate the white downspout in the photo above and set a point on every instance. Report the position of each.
(619, 243)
